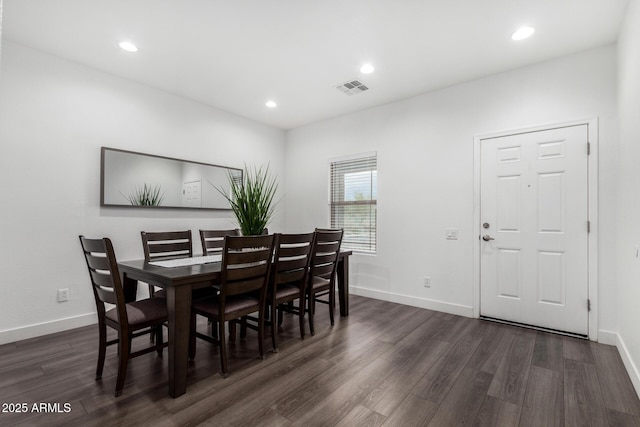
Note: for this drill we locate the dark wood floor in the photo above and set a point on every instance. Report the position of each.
(386, 364)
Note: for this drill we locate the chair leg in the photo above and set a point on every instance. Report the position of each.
(223, 349)
(312, 307)
(301, 317)
(243, 327)
(102, 349)
(280, 317)
(192, 337)
(232, 331)
(214, 329)
(332, 303)
(274, 327)
(260, 333)
(159, 340)
(152, 292)
(124, 344)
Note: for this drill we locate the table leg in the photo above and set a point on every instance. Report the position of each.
(343, 285)
(129, 288)
(179, 307)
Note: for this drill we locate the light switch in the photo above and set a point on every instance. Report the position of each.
(452, 233)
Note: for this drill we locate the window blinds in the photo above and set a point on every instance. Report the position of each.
(353, 201)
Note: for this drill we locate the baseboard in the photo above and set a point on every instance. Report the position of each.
(446, 307)
(607, 337)
(45, 328)
(631, 367)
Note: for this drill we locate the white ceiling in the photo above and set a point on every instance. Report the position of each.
(237, 54)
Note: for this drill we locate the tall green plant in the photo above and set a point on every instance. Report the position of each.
(251, 199)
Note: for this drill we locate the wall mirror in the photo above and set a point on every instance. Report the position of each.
(135, 179)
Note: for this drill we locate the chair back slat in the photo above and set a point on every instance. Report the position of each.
(324, 270)
(101, 278)
(325, 258)
(326, 249)
(166, 244)
(292, 264)
(104, 274)
(213, 240)
(247, 256)
(291, 275)
(247, 271)
(293, 252)
(246, 262)
(237, 287)
(292, 256)
(97, 262)
(106, 295)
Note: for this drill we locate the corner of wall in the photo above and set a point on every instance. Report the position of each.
(627, 360)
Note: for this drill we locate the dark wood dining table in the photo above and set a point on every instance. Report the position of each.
(179, 283)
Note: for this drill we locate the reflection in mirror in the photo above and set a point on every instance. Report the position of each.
(138, 179)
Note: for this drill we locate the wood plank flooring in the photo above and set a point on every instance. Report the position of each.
(384, 365)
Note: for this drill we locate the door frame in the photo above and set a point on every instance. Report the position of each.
(592, 189)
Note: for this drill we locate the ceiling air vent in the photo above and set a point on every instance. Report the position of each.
(352, 87)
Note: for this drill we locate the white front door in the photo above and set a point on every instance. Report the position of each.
(534, 219)
(192, 194)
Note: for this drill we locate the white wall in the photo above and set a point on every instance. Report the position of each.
(54, 117)
(426, 174)
(629, 193)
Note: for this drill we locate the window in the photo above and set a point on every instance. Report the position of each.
(353, 200)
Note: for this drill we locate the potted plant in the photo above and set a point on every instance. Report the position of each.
(251, 199)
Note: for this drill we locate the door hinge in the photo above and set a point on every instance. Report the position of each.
(588, 148)
(588, 305)
(588, 226)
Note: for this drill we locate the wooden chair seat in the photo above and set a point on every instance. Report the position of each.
(143, 313)
(320, 283)
(286, 291)
(236, 305)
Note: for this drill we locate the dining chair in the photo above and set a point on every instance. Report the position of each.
(244, 275)
(164, 245)
(288, 279)
(130, 320)
(213, 240)
(322, 271)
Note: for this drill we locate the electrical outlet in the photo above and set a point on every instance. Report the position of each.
(452, 233)
(63, 295)
(427, 282)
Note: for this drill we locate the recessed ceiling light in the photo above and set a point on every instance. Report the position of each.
(367, 69)
(523, 33)
(128, 46)
(271, 104)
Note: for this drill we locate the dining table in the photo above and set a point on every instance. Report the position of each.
(179, 282)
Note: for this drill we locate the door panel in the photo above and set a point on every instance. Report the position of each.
(534, 263)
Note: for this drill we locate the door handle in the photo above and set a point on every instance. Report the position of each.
(486, 238)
